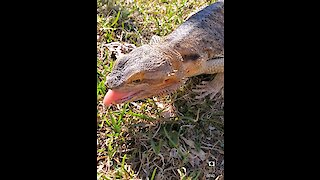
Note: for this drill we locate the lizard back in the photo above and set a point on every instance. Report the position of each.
(200, 37)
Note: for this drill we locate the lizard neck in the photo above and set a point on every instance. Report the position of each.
(192, 69)
(189, 63)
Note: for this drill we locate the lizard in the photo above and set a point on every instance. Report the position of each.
(161, 67)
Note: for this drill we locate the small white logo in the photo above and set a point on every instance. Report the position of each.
(211, 163)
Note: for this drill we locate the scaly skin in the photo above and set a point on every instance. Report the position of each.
(195, 47)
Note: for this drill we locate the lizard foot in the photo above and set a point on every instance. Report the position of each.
(211, 88)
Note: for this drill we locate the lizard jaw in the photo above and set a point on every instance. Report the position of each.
(117, 97)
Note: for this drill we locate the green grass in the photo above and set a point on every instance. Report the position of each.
(161, 137)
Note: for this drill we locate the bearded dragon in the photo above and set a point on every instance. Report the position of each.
(195, 47)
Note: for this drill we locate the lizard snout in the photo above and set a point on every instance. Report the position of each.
(112, 81)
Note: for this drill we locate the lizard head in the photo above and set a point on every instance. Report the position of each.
(144, 72)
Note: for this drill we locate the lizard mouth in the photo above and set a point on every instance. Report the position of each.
(117, 97)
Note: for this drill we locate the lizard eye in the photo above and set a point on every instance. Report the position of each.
(136, 81)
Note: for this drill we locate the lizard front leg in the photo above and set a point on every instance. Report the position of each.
(210, 87)
(213, 87)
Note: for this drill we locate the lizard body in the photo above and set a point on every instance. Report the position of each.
(195, 47)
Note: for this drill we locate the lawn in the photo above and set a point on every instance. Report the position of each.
(170, 137)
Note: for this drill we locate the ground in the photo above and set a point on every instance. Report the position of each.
(171, 137)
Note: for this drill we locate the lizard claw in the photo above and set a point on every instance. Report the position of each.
(211, 88)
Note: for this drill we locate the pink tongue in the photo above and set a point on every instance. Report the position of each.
(113, 96)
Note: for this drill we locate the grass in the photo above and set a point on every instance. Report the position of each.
(172, 137)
